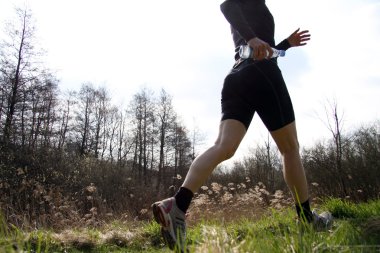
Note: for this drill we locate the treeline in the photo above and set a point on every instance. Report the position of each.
(85, 153)
(35, 115)
(54, 143)
(69, 158)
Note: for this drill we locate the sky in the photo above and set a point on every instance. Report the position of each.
(185, 47)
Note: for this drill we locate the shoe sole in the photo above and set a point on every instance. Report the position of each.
(159, 217)
(168, 238)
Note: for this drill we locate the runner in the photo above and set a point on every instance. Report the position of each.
(254, 85)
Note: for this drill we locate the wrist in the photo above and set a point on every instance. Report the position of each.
(252, 40)
(290, 44)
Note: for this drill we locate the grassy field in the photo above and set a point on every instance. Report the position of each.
(356, 229)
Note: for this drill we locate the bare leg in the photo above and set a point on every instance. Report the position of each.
(231, 132)
(294, 174)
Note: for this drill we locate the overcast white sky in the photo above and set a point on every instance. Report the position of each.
(185, 47)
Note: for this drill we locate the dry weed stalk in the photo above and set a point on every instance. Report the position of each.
(235, 200)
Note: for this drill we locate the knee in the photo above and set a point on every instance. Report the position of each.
(289, 147)
(225, 151)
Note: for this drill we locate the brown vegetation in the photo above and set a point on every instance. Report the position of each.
(75, 159)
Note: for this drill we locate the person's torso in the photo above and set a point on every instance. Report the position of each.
(259, 19)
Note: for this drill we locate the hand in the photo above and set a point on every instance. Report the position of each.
(261, 49)
(299, 38)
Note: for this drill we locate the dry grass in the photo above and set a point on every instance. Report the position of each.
(235, 201)
(85, 239)
(272, 230)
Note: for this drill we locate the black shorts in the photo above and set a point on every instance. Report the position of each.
(257, 86)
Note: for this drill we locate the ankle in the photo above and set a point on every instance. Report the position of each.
(183, 198)
(304, 212)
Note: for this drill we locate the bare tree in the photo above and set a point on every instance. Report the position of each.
(142, 111)
(270, 168)
(182, 151)
(197, 138)
(102, 112)
(112, 128)
(38, 113)
(84, 117)
(18, 64)
(65, 118)
(166, 118)
(124, 143)
(335, 126)
(2, 97)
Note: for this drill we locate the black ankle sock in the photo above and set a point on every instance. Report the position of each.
(183, 198)
(304, 211)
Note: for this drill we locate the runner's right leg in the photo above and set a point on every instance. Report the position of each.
(231, 132)
(167, 212)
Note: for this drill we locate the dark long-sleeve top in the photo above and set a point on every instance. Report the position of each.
(250, 19)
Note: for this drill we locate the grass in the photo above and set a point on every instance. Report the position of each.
(356, 229)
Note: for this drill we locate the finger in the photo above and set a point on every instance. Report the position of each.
(304, 35)
(256, 52)
(304, 39)
(304, 31)
(261, 55)
(259, 52)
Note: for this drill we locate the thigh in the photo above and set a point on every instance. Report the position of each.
(231, 132)
(237, 95)
(274, 105)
